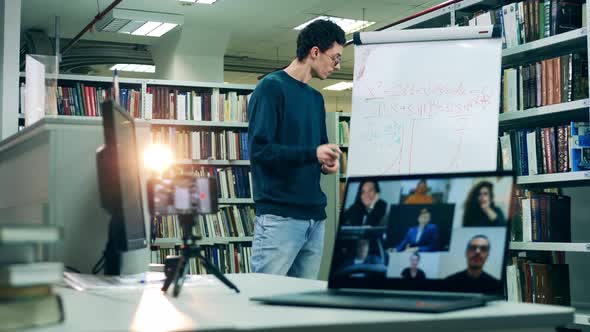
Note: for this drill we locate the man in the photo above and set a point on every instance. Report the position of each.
(474, 278)
(288, 149)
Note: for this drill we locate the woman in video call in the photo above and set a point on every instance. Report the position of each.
(368, 208)
(423, 237)
(480, 210)
(412, 272)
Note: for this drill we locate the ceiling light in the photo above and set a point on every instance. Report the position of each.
(138, 22)
(134, 67)
(188, 1)
(339, 86)
(146, 28)
(206, 2)
(348, 25)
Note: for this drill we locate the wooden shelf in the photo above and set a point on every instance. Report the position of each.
(235, 201)
(564, 43)
(546, 115)
(191, 123)
(550, 246)
(172, 242)
(214, 162)
(570, 179)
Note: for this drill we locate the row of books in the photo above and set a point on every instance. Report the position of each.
(552, 81)
(343, 162)
(202, 145)
(232, 182)
(228, 258)
(547, 150)
(542, 217)
(542, 278)
(344, 132)
(230, 221)
(207, 105)
(531, 20)
(27, 298)
(84, 100)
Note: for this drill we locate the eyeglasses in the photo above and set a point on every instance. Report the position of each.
(473, 247)
(336, 59)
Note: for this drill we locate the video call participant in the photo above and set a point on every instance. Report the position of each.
(480, 210)
(412, 272)
(368, 208)
(362, 255)
(423, 238)
(474, 278)
(420, 194)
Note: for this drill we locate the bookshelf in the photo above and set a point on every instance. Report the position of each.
(566, 42)
(222, 117)
(570, 179)
(545, 115)
(214, 162)
(204, 123)
(573, 184)
(550, 246)
(198, 124)
(173, 242)
(333, 187)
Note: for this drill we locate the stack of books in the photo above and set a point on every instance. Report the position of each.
(26, 296)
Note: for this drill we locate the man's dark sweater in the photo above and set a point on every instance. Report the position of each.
(463, 282)
(286, 125)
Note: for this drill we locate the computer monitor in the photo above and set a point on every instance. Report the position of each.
(119, 184)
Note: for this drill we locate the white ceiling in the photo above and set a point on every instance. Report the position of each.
(259, 28)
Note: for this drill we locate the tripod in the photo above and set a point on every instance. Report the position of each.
(176, 267)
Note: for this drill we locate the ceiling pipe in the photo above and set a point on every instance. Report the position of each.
(97, 18)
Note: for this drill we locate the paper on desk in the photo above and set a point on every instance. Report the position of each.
(88, 282)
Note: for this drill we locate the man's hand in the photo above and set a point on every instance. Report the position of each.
(331, 169)
(328, 154)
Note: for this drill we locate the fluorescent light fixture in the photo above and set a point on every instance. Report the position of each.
(138, 22)
(347, 24)
(188, 1)
(339, 86)
(134, 67)
(206, 2)
(162, 29)
(146, 28)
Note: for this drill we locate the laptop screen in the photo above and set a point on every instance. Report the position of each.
(433, 232)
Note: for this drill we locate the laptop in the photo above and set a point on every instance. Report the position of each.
(424, 243)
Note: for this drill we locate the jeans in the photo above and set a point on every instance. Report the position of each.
(287, 246)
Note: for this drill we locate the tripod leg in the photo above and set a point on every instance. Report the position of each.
(170, 266)
(211, 268)
(180, 275)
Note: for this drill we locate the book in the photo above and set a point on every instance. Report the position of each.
(29, 313)
(16, 293)
(18, 233)
(17, 253)
(30, 274)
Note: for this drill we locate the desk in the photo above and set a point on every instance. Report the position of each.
(216, 308)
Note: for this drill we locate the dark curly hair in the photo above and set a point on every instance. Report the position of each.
(320, 33)
(472, 209)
